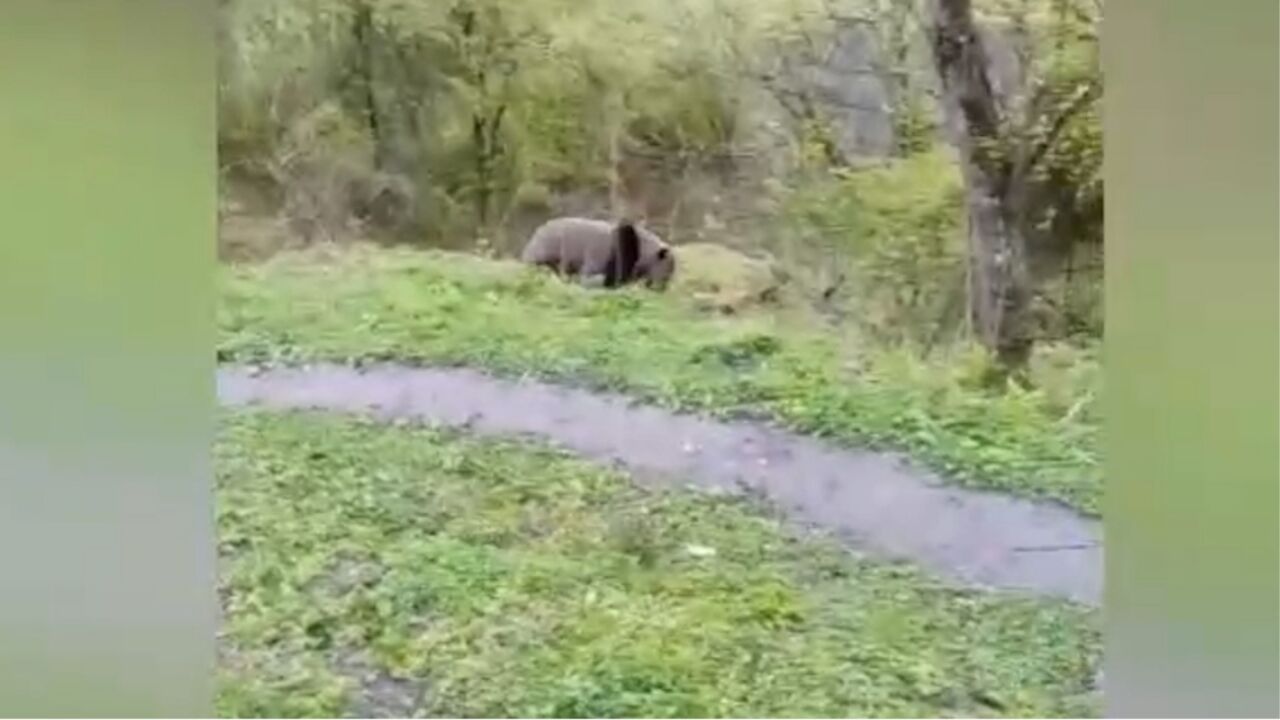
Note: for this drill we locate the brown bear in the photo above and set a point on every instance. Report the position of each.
(599, 252)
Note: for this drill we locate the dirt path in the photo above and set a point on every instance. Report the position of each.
(873, 500)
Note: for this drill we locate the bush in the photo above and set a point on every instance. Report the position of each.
(895, 232)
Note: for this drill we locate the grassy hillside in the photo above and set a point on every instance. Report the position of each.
(432, 307)
(368, 568)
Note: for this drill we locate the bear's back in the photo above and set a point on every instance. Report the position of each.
(547, 242)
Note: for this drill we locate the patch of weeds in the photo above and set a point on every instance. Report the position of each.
(281, 684)
(740, 353)
(485, 578)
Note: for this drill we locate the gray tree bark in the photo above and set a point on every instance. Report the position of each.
(1000, 289)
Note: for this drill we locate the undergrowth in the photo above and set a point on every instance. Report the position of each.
(483, 578)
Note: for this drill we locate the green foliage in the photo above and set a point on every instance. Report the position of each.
(897, 230)
(495, 579)
(914, 127)
(278, 687)
(474, 98)
(445, 309)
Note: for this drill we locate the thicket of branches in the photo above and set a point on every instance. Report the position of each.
(473, 102)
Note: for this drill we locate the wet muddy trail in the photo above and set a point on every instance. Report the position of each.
(877, 502)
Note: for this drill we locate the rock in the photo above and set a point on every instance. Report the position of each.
(721, 279)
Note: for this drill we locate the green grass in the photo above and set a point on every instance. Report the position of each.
(501, 579)
(440, 308)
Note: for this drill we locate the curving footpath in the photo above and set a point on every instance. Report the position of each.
(875, 501)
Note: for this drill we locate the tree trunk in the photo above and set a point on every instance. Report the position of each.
(363, 31)
(1000, 284)
(483, 181)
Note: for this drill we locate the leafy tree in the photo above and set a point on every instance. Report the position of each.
(1031, 157)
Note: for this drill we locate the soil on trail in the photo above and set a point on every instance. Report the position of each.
(876, 501)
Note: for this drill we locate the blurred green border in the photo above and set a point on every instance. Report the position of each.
(1192, 350)
(107, 219)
